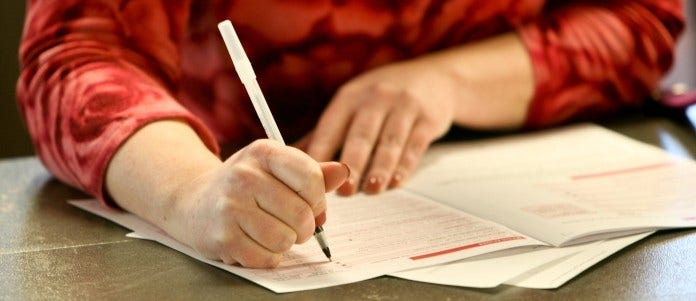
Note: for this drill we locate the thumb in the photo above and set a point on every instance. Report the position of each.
(335, 174)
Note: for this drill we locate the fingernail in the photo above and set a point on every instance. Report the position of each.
(347, 188)
(347, 169)
(373, 184)
(396, 180)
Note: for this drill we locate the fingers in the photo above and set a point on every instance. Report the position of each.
(383, 151)
(271, 196)
(335, 174)
(330, 131)
(389, 149)
(418, 142)
(359, 143)
(294, 169)
(240, 248)
(257, 243)
(287, 208)
(240, 232)
(303, 178)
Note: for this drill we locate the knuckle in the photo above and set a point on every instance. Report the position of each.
(278, 240)
(224, 205)
(407, 164)
(383, 89)
(286, 242)
(260, 148)
(224, 239)
(409, 158)
(409, 98)
(390, 140)
(419, 141)
(360, 137)
(301, 216)
(245, 176)
(346, 90)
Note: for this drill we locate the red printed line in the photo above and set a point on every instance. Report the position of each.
(471, 246)
(621, 171)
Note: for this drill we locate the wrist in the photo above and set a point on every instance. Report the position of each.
(493, 79)
(146, 172)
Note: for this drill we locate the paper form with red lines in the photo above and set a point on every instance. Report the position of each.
(556, 187)
(369, 237)
(564, 186)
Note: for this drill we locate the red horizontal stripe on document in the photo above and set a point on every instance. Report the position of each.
(471, 246)
(621, 171)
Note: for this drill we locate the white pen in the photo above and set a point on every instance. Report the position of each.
(246, 74)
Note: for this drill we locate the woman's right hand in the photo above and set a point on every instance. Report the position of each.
(254, 206)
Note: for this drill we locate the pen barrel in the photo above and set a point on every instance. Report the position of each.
(263, 111)
(234, 47)
(320, 237)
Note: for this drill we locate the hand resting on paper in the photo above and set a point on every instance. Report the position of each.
(383, 121)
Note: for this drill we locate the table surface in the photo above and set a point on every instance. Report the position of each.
(51, 250)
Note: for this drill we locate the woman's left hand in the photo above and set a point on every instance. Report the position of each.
(383, 121)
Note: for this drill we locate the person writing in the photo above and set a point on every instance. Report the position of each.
(135, 102)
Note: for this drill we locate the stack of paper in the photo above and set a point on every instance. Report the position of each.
(531, 210)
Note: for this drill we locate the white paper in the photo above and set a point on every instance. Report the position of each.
(558, 273)
(369, 237)
(531, 267)
(563, 186)
(489, 270)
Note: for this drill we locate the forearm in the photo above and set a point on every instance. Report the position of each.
(92, 73)
(494, 81)
(145, 173)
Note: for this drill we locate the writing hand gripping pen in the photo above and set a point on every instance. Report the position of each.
(246, 74)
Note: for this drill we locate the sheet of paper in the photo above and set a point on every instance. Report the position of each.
(369, 237)
(489, 270)
(563, 185)
(532, 267)
(558, 273)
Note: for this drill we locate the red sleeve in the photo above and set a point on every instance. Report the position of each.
(594, 57)
(92, 73)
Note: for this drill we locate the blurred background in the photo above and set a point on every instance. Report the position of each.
(684, 70)
(14, 140)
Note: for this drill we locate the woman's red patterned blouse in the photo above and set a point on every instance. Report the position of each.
(94, 71)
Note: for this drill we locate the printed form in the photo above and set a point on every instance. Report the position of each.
(561, 187)
(369, 237)
(539, 267)
(564, 186)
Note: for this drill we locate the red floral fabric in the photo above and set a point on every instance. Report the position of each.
(94, 71)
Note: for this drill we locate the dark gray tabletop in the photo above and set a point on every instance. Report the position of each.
(51, 250)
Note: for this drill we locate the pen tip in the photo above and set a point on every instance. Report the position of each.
(327, 252)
